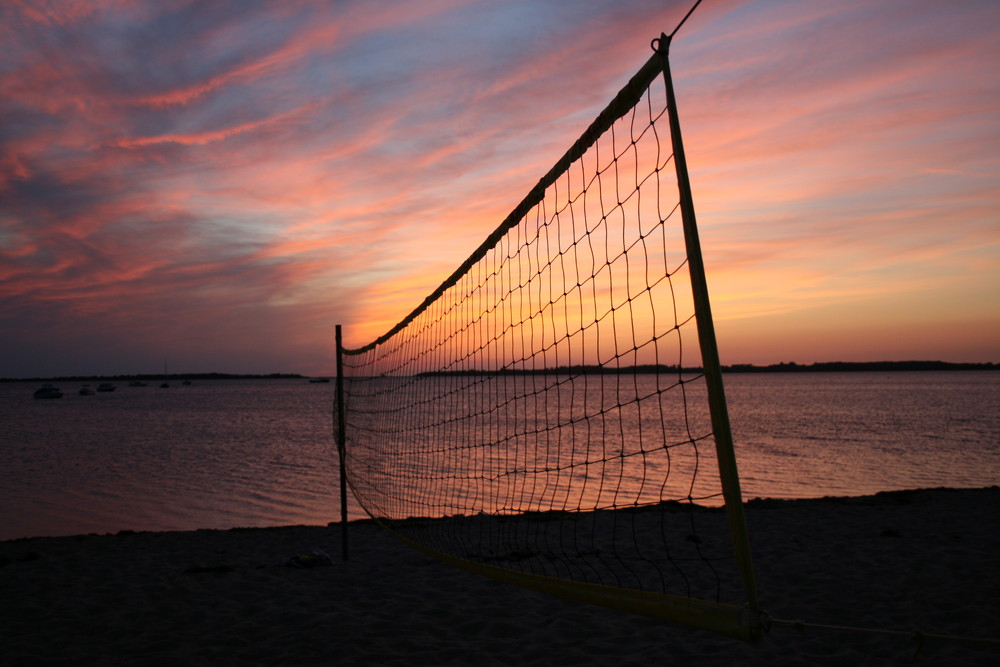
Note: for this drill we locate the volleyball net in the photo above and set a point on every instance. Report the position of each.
(553, 413)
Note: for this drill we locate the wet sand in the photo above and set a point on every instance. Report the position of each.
(918, 560)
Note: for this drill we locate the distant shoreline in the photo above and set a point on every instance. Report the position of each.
(783, 367)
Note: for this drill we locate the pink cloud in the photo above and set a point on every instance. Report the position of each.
(63, 12)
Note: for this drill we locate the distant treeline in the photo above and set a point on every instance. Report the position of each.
(566, 370)
(784, 367)
(157, 377)
(842, 366)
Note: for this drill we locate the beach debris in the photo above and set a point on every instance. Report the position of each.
(315, 558)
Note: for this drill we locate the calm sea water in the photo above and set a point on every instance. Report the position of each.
(227, 453)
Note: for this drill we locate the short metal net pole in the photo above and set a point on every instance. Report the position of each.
(341, 442)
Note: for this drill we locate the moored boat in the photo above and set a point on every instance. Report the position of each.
(48, 391)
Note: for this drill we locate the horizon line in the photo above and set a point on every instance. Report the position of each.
(783, 366)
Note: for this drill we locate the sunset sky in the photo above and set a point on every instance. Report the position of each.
(214, 185)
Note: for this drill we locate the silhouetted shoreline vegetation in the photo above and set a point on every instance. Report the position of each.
(842, 366)
(784, 367)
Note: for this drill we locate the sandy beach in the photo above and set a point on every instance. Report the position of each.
(918, 560)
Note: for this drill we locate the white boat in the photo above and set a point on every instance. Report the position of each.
(86, 390)
(106, 386)
(48, 391)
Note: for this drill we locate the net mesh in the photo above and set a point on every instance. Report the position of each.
(544, 411)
